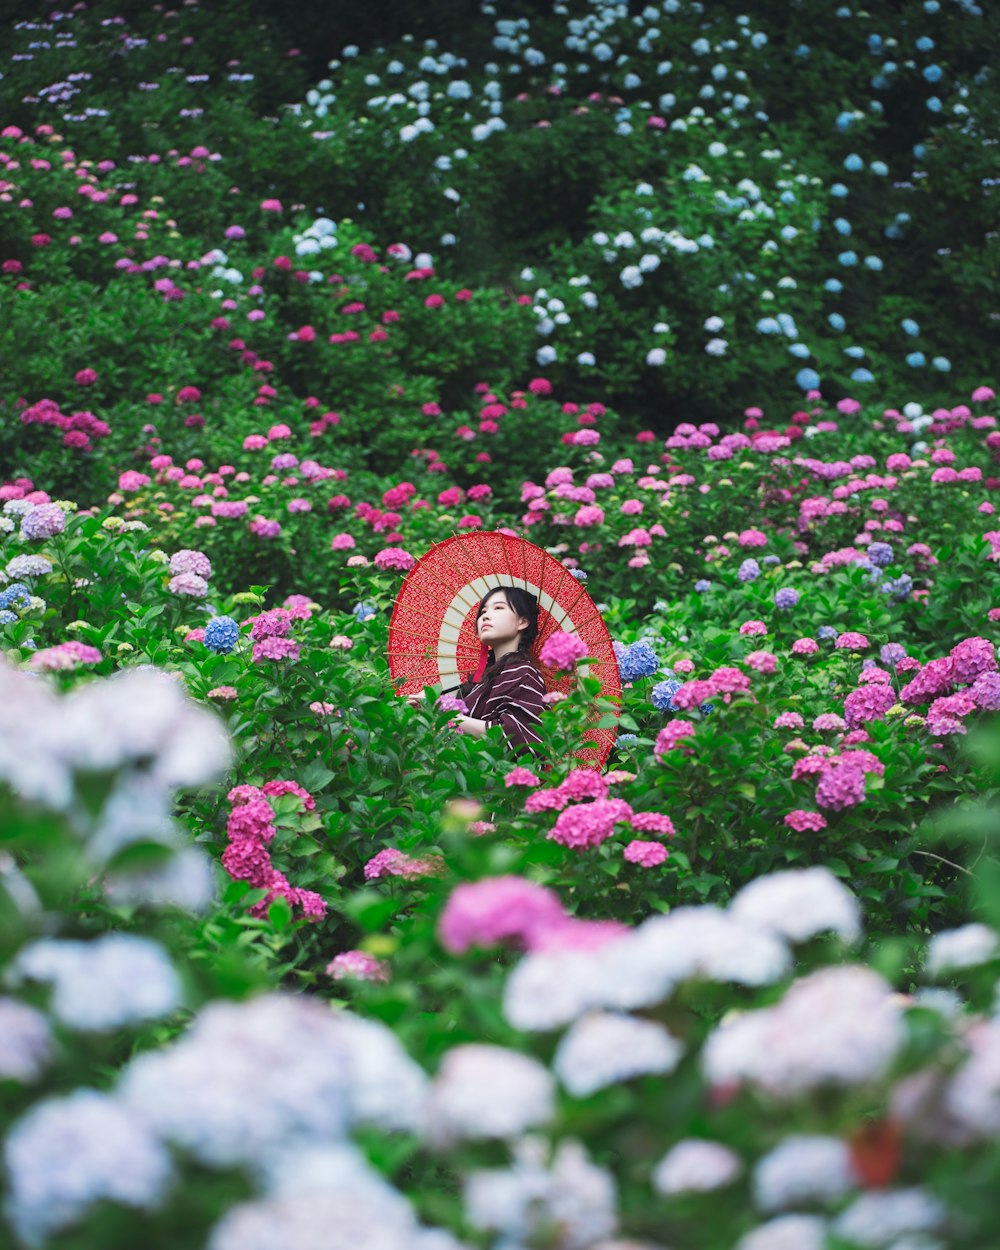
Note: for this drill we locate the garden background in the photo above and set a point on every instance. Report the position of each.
(702, 299)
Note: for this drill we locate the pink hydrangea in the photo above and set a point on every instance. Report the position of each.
(645, 854)
(672, 733)
(805, 822)
(357, 966)
(970, 658)
(223, 694)
(752, 538)
(762, 662)
(753, 628)
(693, 694)
(394, 558)
(278, 787)
(841, 784)
(188, 584)
(929, 682)
(562, 650)
(805, 646)
(726, 682)
(64, 657)
(870, 702)
(275, 649)
(589, 824)
(342, 542)
(393, 863)
(828, 721)
(188, 561)
(521, 777)
(497, 909)
(851, 641)
(275, 623)
(653, 822)
(788, 720)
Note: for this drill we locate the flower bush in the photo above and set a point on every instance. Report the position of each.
(284, 957)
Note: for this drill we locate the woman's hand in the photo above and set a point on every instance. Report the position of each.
(415, 700)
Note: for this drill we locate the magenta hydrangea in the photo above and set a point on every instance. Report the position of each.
(394, 558)
(645, 854)
(970, 658)
(497, 909)
(64, 657)
(805, 822)
(586, 825)
(357, 965)
(562, 650)
(870, 702)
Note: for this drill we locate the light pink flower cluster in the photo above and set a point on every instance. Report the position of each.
(64, 657)
(521, 777)
(393, 863)
(251, 829)
(753, 628)
(765, 662)
(805, 646)
(357, 966)
(934, 679)
(562, 650)
(851, 641)
(579, 784)
(188, 561)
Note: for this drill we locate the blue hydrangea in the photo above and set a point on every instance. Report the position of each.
(898, 588)
(826, 632)
(221, 634)
(941, 363)
(749, 570)
(364, 611)
(16, 593)
(786, 598)
(848, 258)
(662, 694)
(627, 738)
(862, 375)
(842, 225)
(7, 617)
(881, 554)
(772, 559)
(579, 574)
(839, 190)
(910, 327)
(702, 584)
(807, 379)
(916, 360)
(853, 162)
(837, 322)
(924, 43)
(636, 661)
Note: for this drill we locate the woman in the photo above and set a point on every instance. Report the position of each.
(509, 693)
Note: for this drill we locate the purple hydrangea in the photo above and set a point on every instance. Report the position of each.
(881, 554)
(45, 520)
(786, 598)
(892, 653)
(749, 571)
(701, 585)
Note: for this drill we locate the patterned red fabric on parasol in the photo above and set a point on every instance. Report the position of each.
(432, 634)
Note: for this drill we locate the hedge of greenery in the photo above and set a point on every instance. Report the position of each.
(286, 960)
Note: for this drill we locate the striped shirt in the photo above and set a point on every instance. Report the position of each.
(513, 701)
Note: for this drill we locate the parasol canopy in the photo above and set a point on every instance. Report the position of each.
(432, 633)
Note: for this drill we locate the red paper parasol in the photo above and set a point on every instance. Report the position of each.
(432, 634)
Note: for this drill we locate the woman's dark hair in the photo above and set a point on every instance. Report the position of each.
(524, 603)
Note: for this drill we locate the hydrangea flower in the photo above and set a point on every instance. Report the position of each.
(562, 650)
(635, 661)
(45, 520)
(221, 634)
(662, 694)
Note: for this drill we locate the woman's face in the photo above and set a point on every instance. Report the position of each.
(498, 623)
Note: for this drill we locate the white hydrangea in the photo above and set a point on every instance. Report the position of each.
(799, 903)
(972, 1096)
(25, 1041)
(549, 989)
(644, 966)
(802, 1170)
(324, 1221)
(387, 1088)
(787, 1232)
(108, 983)
(67, 1153)
(696, 1166)
(605, 1047)
(966, 947)
(246, 1079)
(485, 1091)
(838, 1026)
(877, 1219)
(656, 357)
(529, 1199)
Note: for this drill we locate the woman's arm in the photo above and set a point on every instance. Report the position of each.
(470, 725)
